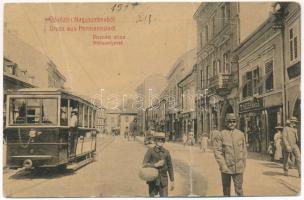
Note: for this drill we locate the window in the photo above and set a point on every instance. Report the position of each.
(294, 70)
(226, 64)
(256, 88)
(206, 33)
(269, 75)
(293, 44)
(86, 117)
(247, 87)
(227, 12)
(249, 83)
(80, 114)
(203, 38)
(214, 70)
(218, 67)
(223, 10)
(33, 111)
(213, 25)
(64, 112)
(208, 74)
(201, 78)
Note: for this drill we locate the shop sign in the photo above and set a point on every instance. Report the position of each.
(250, 105)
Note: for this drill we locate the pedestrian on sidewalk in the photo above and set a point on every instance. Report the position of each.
(290, 140)
(158, 157)
(214, 133)
(134, 128)
(126, 133)
(191, 140)
(278, 155)
(270, 150)
(230, 152)
(185, 139)
(204, 142)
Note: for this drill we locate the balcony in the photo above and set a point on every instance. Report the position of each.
(220, 84)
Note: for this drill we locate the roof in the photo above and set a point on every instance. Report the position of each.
(255, 33)
(55, 91)
(187, 60)
(29, 58)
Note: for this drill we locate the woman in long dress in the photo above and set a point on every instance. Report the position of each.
(278, 155)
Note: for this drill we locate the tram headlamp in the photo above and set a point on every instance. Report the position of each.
(32, 133)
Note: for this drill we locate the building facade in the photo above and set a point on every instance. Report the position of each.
(261, 84)
(148, 92)
(181, 68)
(289, 13)
(125, 119)
(188, 96)
(217, 36)
(37, 67)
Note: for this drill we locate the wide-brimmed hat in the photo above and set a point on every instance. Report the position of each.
(293, 119)
(279, 127)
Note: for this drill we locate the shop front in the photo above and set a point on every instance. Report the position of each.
(251, 123)
(188, 123)
(258, 119)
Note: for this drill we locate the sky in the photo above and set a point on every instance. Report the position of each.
(156, 34)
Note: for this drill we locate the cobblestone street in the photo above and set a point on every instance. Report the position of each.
(115, 173)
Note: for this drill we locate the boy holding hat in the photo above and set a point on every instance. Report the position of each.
(158, 157)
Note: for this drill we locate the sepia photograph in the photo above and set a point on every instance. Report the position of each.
(151, 99)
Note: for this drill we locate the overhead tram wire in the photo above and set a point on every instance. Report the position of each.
(35, 33)
(72, 55)
(46, 53)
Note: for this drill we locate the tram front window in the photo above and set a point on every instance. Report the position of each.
(37, 111)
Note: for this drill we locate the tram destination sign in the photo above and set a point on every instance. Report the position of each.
(250, 105)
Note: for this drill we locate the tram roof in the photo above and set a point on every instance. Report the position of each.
(55, 91)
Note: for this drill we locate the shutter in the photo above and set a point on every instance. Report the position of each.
(244, 86)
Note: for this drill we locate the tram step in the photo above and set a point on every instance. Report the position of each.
(75, 166)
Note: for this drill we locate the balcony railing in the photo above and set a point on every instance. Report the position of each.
(219, 83)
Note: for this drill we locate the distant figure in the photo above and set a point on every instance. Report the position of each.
(290, 140)
(133, 128)
(126, 133)
(72, 139)
(214, 133)
(185, 139)
(74, 118)
(270, 150)
(278, 155)
(191, 140)
(230, 151)
(204, 142)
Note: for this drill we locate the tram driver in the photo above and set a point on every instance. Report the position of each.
(73, 131)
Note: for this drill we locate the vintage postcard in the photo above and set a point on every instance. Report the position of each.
(151, 99)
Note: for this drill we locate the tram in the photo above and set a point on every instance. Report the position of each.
(38, 129)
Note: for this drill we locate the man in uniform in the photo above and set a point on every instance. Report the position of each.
(290, 139)
(159, 158)
(72, 140)
(230, 152)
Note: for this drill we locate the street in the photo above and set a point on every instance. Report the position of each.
(115, 174)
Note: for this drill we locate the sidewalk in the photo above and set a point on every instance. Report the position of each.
(262, 177)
